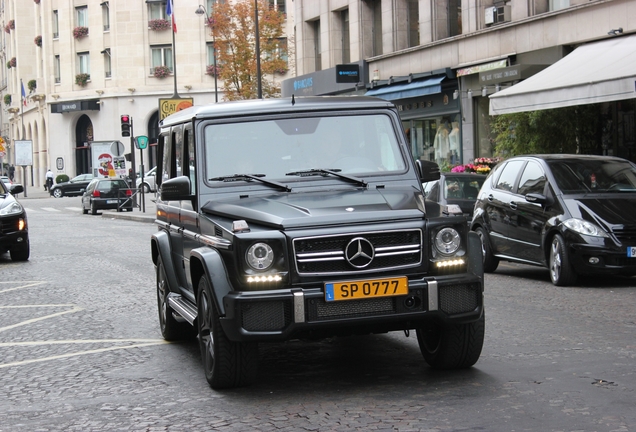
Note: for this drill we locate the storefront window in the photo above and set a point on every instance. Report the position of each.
(484, 141)
(435, 139)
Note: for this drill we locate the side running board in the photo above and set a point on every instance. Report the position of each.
(183, 307)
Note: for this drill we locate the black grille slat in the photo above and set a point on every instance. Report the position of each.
(626, 235)
(325, 255)
(265, 316)
(323, 310)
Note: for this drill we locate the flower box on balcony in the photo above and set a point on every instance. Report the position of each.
(82, 79)
(161, 71)
(159, 24)
(80, 32)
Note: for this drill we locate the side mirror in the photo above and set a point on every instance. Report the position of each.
(175, 189)
(16, 189)
(536, 198)
(428, 170)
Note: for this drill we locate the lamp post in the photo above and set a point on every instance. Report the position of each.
(201, 11)
(258, 53)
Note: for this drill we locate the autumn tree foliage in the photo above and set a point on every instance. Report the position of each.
(232, 25)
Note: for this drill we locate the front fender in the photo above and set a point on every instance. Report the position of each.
(475, 258)
(212, 265)
(160, 246)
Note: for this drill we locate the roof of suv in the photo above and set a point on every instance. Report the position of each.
(273, 106)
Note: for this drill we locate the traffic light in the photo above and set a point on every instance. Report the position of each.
(125, 125)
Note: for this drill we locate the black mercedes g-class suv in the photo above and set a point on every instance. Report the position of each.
(296, 218)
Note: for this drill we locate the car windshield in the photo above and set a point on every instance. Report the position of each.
(281, 149)
(463, 187)
(576, 176)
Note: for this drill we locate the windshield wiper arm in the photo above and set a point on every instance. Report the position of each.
(250, 177)
(324, 172)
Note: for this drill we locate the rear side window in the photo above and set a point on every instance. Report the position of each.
(509, 175)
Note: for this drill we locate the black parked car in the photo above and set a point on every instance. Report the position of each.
(14, 232)
(107, 194)
(457, 192)
(73, 187)
(571, 213)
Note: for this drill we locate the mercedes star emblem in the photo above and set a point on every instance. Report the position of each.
(359, 252)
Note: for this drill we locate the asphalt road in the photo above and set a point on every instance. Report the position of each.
(80, 350)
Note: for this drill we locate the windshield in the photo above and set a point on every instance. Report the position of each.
(276, 149)
(593, 175)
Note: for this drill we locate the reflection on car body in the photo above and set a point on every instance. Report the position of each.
(457, 192)
(571, 213)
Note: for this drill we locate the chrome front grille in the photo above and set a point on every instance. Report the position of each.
(328, 254)
(626, 235)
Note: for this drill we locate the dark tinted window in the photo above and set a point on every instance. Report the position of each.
(462, 187)
(575, 176)
(108, 185)
(509, 175)
(532, 180)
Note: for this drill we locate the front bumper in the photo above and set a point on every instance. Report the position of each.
(11, 237)
(304, 313)
(590, 259)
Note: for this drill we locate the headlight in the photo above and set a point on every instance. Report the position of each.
(13, 208)
(584, 227)
(260, 256)
(447, 241)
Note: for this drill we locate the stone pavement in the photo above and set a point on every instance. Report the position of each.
(137, 214)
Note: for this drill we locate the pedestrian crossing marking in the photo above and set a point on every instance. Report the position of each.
(51, 209)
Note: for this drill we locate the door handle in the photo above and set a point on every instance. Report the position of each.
(513, 205)
(490, 197)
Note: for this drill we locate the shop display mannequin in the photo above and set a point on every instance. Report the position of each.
(453, 138)
(441, 143)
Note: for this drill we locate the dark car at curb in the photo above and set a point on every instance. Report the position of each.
(107, 194)
(304, 218)
(455, 192)
(74, 187)
(573, 214)
(14, 228)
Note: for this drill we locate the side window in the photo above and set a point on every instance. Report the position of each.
(167, 156)
(190, 166)
(509, 175)
(177, 139)
(532, 180)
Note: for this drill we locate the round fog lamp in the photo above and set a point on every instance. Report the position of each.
(260, 256)
(594, 260)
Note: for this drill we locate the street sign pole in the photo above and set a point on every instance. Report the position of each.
(141, 142)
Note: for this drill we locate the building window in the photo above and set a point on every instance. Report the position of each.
(157, 10)
(83, 63)
(107, 68)
(454, 17)
(413, 18)
(160, 55)
(211, 54)
(346, 42)
(377, 27)
(317, 47)
(105, 16)
(56, 66)
(81, 16)
(278, 5)
(56, 26)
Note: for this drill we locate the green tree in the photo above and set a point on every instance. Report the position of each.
(232, 26)
(561, 130)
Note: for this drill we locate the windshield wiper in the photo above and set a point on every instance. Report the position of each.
(250, 177)
(324, 172)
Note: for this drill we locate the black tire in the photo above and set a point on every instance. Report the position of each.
(454, 346)
(93, 209)
(20, 253)
(129, 209)
(490, 261)
(146, 188)
(226, 364)
(171, 329)
(84, 210)
(561, 271)
(57, 193)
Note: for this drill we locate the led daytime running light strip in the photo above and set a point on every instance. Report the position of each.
(455, 262)
(268, 278)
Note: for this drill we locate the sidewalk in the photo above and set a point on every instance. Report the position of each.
(137, 215)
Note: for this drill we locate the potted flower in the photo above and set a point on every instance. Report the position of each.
(32, 85)
(212, 70)
(9, 64)
(38, 40)
(81, 79)
(80, 32)
(281, 71)
(36, 1)
(159, 24)
(7, 99)
(7, 28)
(11, 24)
(13, 62)
(161, 71)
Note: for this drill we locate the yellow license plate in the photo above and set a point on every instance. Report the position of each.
(367, 288)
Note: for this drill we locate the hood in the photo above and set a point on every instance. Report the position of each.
(607, 211)
(321, 208)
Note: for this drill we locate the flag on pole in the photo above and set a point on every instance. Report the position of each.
(170, 13)
(24, 102)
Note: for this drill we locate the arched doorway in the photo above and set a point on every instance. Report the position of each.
(83, 138)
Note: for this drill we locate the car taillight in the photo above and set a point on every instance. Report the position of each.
(96, 193)
(128, 192)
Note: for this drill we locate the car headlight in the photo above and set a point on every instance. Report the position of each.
(447, 241)
(584, 227)
(13, 208)
(260, 256)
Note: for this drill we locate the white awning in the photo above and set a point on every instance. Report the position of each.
(593, 73)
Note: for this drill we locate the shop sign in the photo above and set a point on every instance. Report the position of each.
(171, 106)
(348, 73)
(511, 73)
(482, 67)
